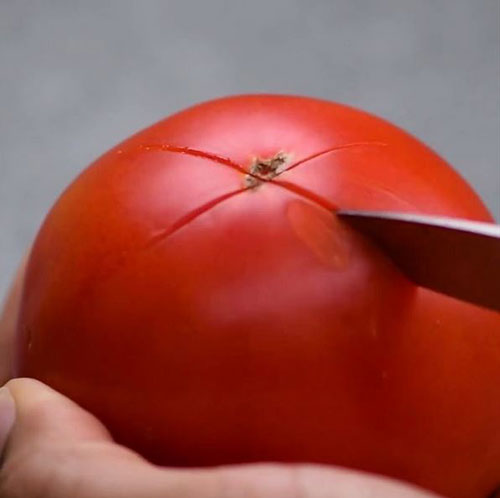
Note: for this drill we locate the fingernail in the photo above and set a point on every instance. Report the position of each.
(7, 416)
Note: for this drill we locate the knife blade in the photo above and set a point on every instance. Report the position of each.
(456, 257)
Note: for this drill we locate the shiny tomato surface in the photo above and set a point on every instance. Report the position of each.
(194, 289)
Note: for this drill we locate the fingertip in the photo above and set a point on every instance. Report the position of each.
(42, 413)
(28, 392)
(7, 416)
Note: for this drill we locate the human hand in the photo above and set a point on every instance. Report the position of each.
(52, 448)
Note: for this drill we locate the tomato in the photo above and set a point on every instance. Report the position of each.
(194, 289)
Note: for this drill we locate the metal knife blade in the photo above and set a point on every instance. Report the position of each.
(455, 257)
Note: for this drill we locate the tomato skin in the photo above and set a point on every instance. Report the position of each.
(206, 322)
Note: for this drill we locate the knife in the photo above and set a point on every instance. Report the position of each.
(456, 257)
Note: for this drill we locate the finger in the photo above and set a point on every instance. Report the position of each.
(308, 481)
(56, 450)
(8, 318)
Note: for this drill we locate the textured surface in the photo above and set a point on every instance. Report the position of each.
(77, 77)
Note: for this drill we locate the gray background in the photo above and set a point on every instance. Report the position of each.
(78, 76)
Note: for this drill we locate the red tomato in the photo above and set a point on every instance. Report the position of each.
(194, 289)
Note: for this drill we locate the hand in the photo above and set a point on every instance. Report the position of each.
(51, 448)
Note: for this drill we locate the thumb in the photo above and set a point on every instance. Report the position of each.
(56, 449)
(51, 448)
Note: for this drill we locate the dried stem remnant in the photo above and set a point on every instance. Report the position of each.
(262, 170)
